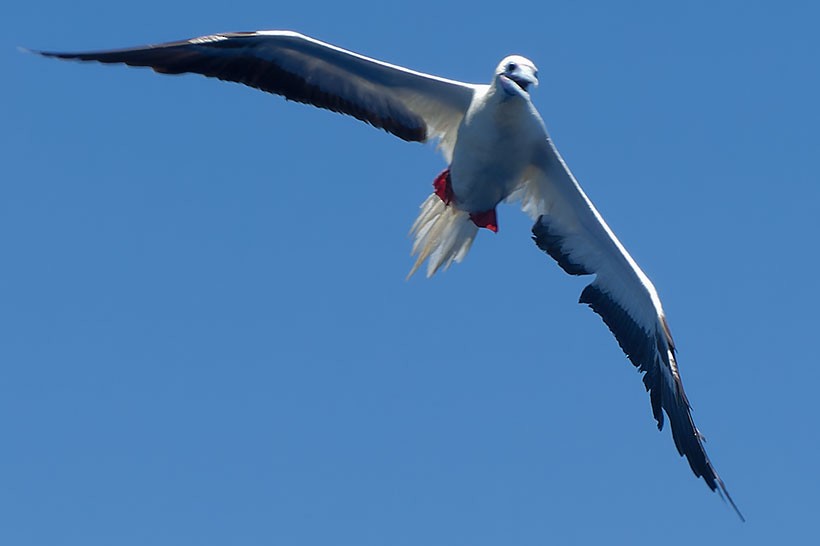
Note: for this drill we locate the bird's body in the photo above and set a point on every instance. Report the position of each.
(496, 142)
(497, 149)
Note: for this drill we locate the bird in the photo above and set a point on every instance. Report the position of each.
(497, 149)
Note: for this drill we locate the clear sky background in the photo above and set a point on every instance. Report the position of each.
(207, 337)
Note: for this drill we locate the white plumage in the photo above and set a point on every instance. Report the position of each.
(497, 148)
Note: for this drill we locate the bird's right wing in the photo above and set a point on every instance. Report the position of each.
(412, 105)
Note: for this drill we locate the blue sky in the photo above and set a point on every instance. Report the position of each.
(207, 337)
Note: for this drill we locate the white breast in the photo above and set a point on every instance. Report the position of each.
(494, 146)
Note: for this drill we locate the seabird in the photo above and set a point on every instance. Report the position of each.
(497, 149)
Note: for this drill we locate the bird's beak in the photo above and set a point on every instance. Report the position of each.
(525, 78)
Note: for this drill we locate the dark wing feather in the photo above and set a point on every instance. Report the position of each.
(573, 233)
(408, 104)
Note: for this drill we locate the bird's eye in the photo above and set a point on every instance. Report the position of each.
(511, 67)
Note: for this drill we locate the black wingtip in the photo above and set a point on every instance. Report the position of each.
(726, 497)
(644, 351)
(52, 54)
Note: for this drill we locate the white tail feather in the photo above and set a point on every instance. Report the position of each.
(443, 235)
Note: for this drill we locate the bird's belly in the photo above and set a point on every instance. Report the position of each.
(486, 176)
(488, 163)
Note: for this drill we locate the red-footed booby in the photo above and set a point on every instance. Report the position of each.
(497, 149)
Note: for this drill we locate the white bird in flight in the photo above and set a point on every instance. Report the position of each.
(497, 149)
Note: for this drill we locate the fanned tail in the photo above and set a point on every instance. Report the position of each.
(442, 235)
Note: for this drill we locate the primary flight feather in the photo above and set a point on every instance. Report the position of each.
(497, 149)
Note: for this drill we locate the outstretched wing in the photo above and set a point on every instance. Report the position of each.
(570, 229)
(411, 105)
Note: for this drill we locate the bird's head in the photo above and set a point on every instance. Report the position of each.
(515, 74)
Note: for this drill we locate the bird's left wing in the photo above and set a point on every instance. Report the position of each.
(570, 229)
(411, 105)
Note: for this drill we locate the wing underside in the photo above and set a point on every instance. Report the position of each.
(570, 229)
(409, 104)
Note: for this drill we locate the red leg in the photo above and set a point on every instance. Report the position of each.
(444, 187)
(486, 219)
